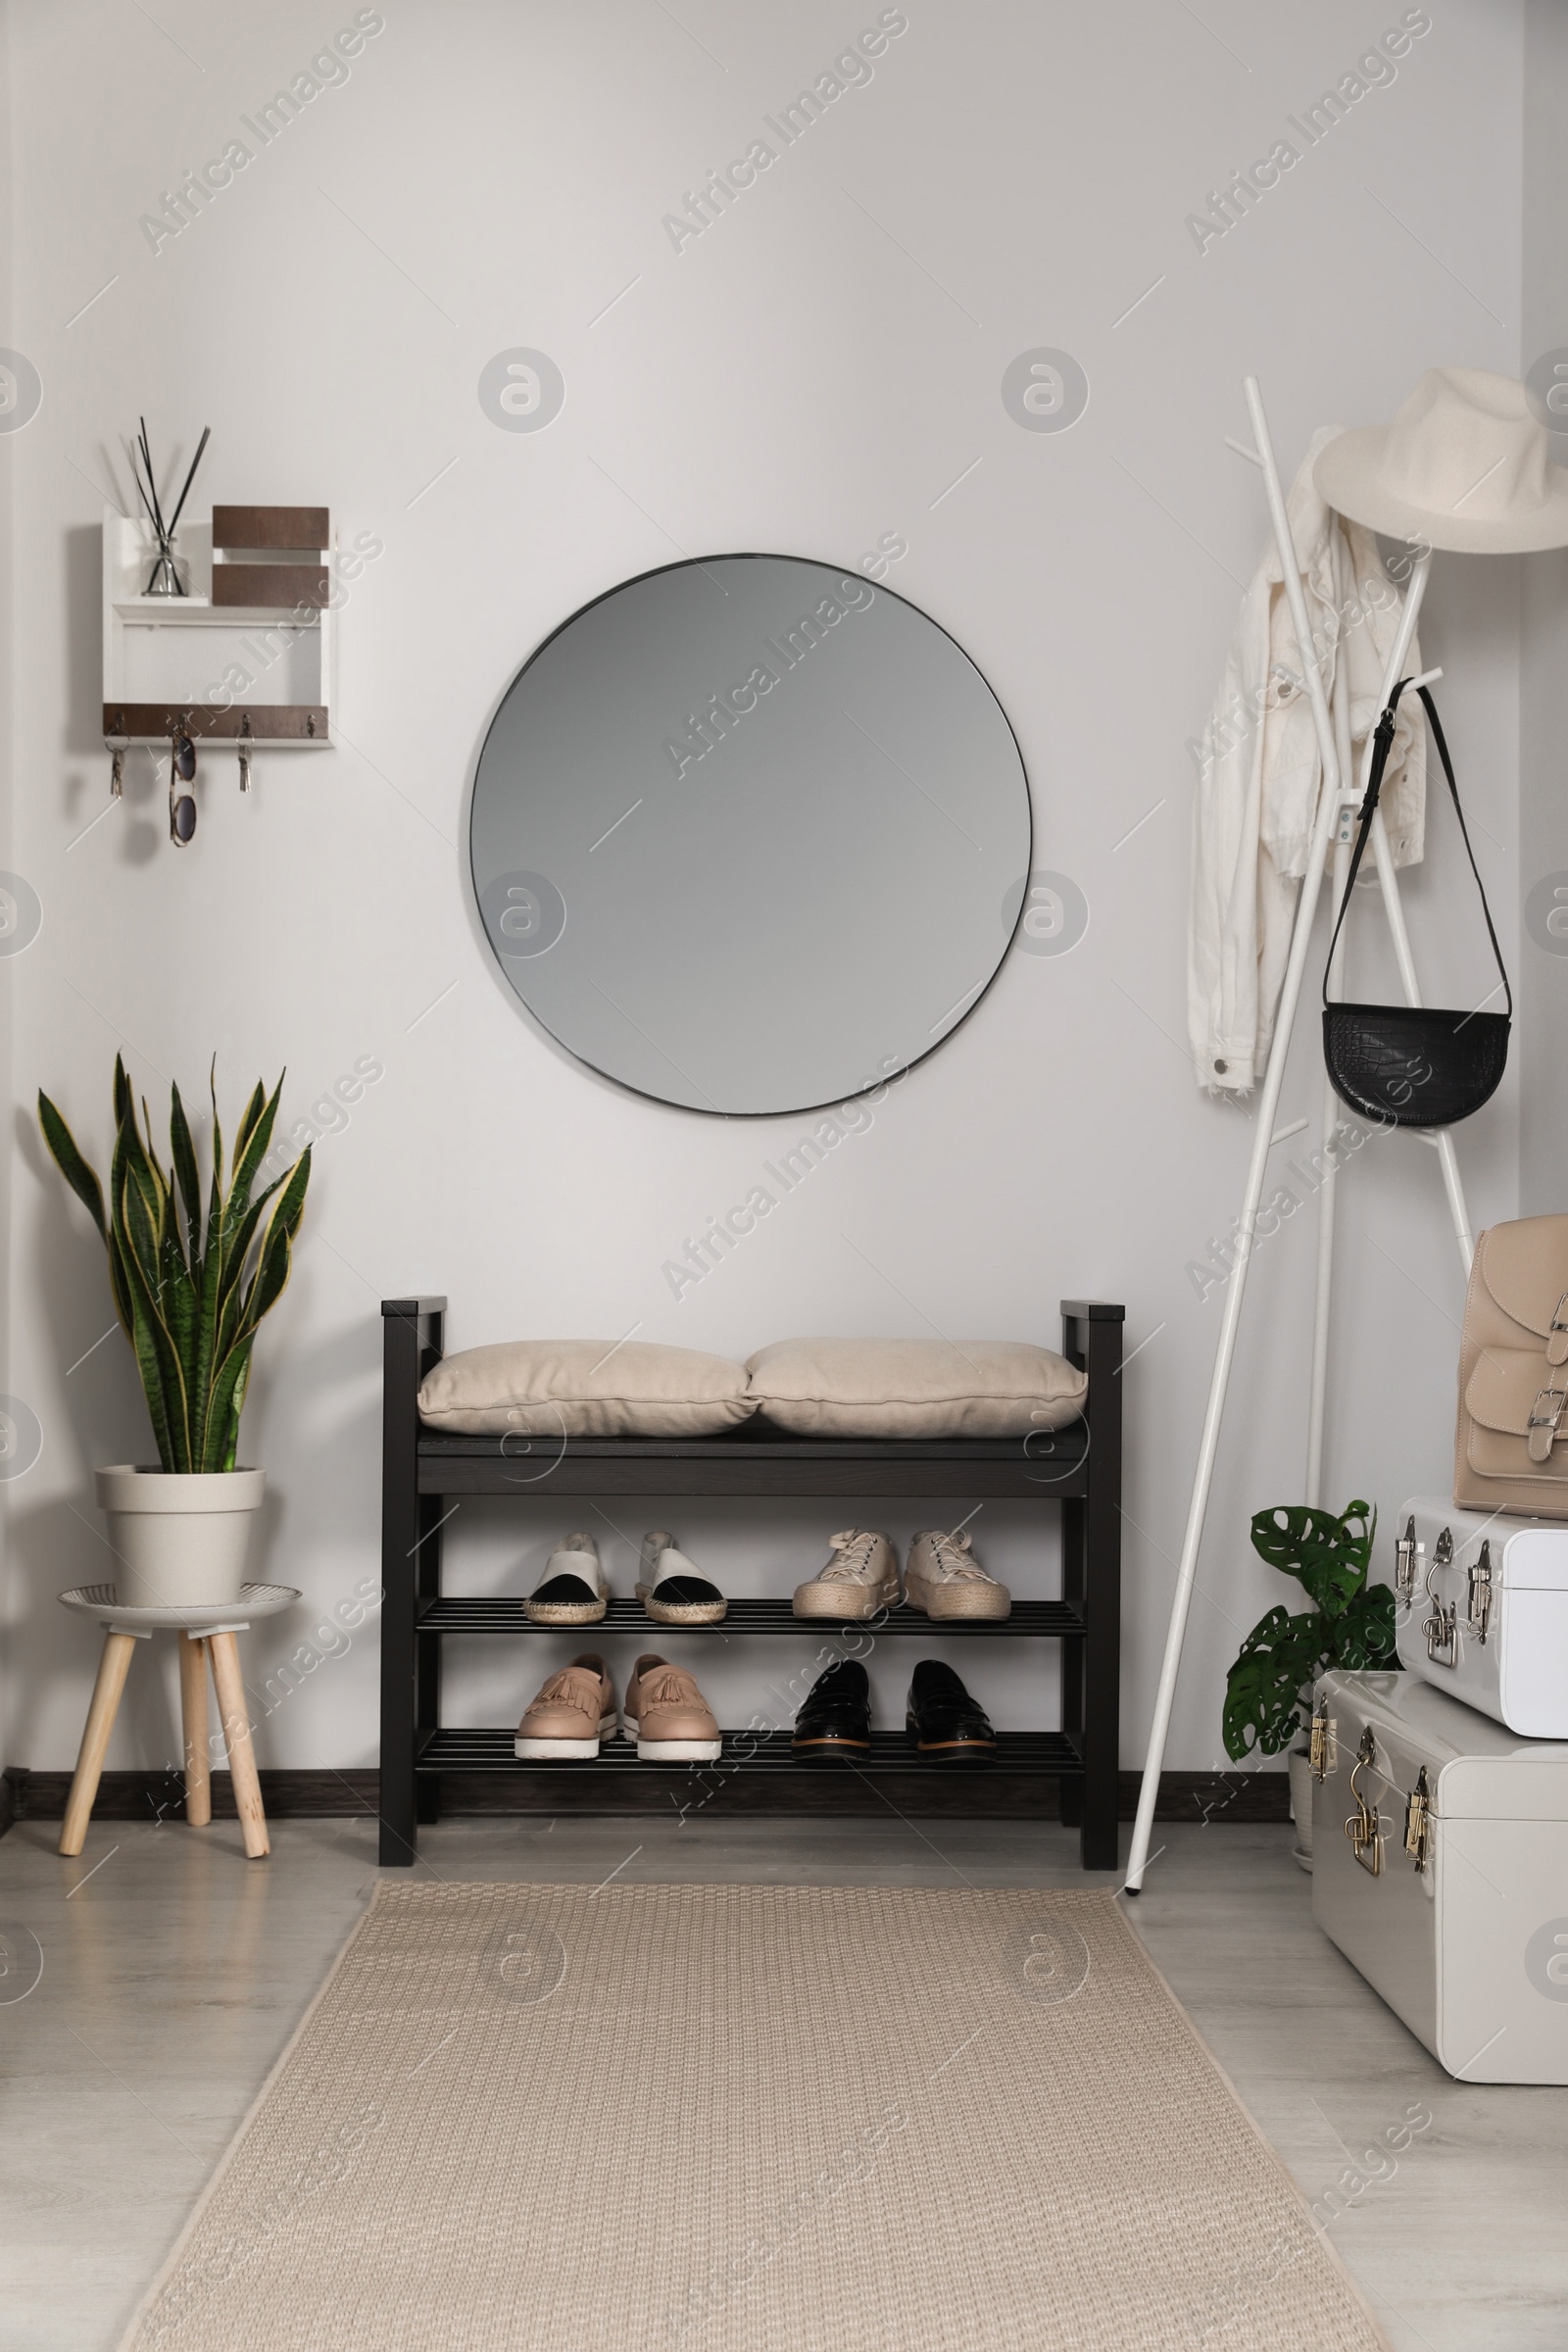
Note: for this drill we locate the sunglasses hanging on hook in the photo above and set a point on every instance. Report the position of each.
(181, 770)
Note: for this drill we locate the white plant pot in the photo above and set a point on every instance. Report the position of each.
(1300, 1764)
(178, 1537)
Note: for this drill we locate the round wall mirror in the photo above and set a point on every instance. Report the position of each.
(750, 834)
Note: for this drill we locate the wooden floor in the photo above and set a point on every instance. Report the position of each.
(173, 1972)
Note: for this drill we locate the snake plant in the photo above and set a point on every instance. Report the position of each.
(1350, 1627)
(189, 1298)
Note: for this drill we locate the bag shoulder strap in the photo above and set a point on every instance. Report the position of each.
(1382, 741)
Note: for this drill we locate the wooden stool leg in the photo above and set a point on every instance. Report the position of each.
(113, 1668)
(235, 1720)
(193, 1713)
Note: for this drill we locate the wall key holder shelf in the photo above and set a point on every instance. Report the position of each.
(246, 657)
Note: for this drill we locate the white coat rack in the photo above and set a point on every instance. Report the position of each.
(1339, 802)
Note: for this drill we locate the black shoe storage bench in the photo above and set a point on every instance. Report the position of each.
(425, 1476)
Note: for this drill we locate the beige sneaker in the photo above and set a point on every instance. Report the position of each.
(944, 1578)
(861, 1578)
(667, 1716)
(574, 1590)
(573, 1712)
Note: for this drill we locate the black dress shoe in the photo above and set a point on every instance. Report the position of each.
(835, 1717)
(943, 1721)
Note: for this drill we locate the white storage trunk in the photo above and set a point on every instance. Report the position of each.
(1452, 1897)
(1482, 1611)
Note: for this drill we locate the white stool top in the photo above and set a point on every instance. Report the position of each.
(213, 1617)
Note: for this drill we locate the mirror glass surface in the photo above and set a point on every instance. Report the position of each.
(750, 834)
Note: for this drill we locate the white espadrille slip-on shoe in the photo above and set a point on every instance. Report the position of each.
(861, 1578)
(574, 1589)
(672, 1589)
(943, 1577)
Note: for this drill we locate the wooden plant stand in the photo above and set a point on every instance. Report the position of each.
(207, 1636)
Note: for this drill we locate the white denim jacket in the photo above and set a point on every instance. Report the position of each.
(1259, 771)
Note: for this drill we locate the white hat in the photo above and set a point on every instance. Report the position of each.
(1463, 466)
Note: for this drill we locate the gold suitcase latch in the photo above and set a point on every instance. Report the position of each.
(1322, 1745)
(1364, 1829)
(1418, 1821)
(1406, 1553)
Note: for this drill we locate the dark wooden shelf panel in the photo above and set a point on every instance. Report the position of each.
(270, 587)
(450, 1613)
(270, 722)
(452, 1749)
(755, 1441)
(753, 1462)
(283, 530)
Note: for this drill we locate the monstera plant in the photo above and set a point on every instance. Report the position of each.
(1350, 1625)
(189, 1290)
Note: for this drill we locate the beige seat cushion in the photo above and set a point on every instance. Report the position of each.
(914, 1387)
(585, 1389)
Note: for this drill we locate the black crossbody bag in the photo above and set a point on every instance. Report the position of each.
(1412, 1065)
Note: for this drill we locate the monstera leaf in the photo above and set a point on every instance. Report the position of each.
(1363, 1632)
(1351, 1626)
(1330, 1554)
(1263, 1689)
(189, 1299)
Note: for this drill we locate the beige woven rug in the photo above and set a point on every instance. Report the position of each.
(555, 2119)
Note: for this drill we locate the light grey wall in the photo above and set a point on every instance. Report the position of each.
(1543, 670)
(820, 367)
(8, 754)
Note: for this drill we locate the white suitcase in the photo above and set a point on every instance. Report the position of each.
(1440, 1868)
(1482, 1611)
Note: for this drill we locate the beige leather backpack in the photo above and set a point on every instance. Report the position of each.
(1512, 1446)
